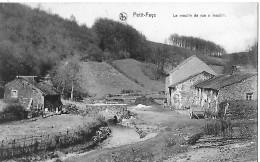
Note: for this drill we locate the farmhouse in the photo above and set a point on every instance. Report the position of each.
(239, 86)
(179, 85)
(32, 95)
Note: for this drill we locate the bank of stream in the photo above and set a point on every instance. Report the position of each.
(120, 135)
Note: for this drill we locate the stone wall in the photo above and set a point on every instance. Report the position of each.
(25, 92)
(210, 99)
(167, 93)
(185, 94)
(107, 110)
(238, 91)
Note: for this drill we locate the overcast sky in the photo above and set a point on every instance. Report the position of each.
(235, 30)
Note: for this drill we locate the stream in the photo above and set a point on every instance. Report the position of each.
(120, 135)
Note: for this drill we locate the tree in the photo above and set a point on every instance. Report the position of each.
(201, 45)
(115, 37)
(160, 56)
(66, 77)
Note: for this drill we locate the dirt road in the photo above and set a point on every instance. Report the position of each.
(168, 144)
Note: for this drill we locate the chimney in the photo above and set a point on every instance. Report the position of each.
(30, 79)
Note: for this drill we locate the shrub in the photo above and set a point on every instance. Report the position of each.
(194, 138)
(100, 118)
(169, 142)
(127, 91)
(15, 110)
(219, 127)
(123, 55)
(239, 109)
(145, 101)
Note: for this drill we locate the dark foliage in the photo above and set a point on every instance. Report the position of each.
(145, 101)
(246, 109)
(198, 44)
(247, 59)
(33, 41)
(120, 40)
(193, 139)
(12, 112)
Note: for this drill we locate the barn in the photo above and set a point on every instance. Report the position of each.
(179, 85)
(236, 87)
(32, 95)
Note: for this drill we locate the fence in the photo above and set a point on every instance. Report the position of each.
(49, 142)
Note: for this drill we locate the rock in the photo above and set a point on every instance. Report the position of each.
(38, 158)
(145, 101)
(60, 154)
(53, 155)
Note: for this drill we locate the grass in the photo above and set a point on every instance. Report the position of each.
(133, 69)
(101, 79)
(47, 125)
(231, 128)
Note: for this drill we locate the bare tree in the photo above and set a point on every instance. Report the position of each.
(66, 77)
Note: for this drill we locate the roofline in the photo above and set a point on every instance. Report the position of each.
(34, 86)
(228, 84)
(186, 60)
(190, 78)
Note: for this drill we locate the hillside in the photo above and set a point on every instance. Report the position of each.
(100, 79)
(32, 41)
(133, 69)
(179, 54)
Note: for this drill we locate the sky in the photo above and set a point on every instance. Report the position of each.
(235, 29)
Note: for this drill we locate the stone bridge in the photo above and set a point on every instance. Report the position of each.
(109, 111)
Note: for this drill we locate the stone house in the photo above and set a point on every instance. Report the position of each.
(32, 95)
(239, 86)
(179, 82)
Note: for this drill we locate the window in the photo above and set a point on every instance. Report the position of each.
(249, 96)
(14, 94)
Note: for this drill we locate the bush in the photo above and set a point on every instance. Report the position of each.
(15, 110)
(127, 91)
(193, 139)
(100, 118)
(123, 55)
(219, 127)
(239, 109)
(145, 101)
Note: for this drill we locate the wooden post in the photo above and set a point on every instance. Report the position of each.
(2, 150)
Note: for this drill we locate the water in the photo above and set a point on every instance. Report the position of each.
(120, 135)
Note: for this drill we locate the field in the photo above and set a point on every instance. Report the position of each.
(101, 79)
(133, 69)
(49, 125)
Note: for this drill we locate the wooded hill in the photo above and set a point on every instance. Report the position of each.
(35, 42)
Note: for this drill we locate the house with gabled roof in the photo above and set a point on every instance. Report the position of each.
(179, 84)
(238, 86)
(32, 95)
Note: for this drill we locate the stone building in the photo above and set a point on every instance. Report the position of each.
(239, 86)
(32, 95)
(179, 84)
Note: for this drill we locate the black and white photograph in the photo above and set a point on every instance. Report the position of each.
(128, 81)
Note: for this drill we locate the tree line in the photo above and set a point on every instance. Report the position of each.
(198, 44)
(37, 42)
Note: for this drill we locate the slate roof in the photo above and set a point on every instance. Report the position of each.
(189, 67)
(192, 76)
(222, 81)
(44, 88)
